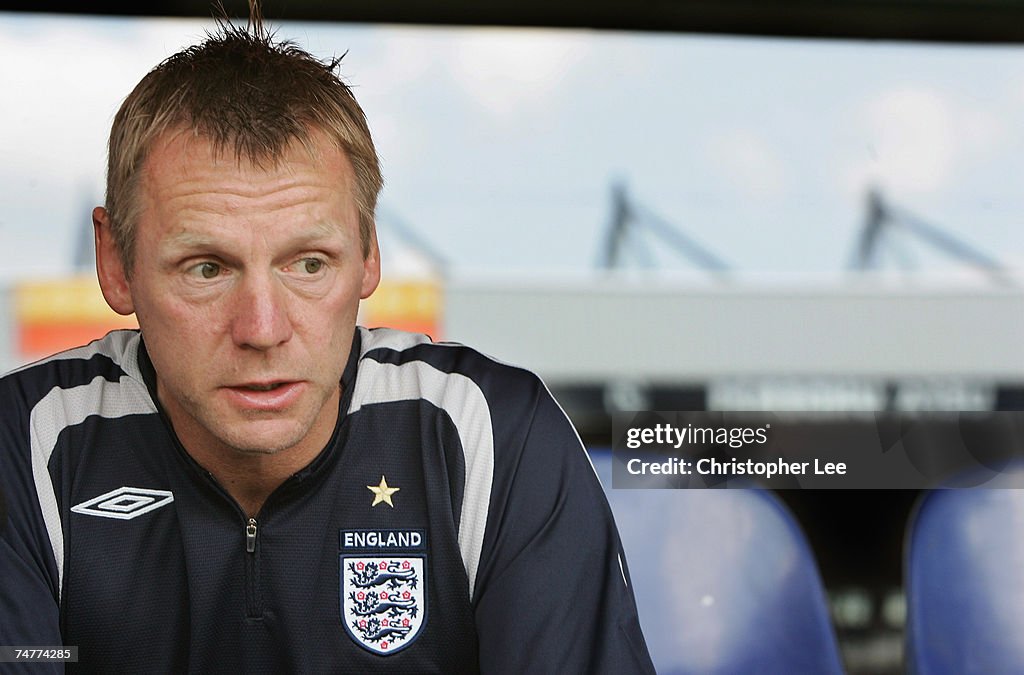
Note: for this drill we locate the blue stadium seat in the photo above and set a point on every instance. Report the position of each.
(724, 580)
(965, 582)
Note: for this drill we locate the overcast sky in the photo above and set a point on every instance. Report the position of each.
(499, 146)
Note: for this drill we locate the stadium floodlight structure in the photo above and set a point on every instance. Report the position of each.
(884, 219)
(629, 217)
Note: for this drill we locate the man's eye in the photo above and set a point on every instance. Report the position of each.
(207, 270)
(311, 265)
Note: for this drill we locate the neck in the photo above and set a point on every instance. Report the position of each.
(250, 479)
(251, 476)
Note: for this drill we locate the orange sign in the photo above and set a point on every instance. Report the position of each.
(412, 305)
(55, 315)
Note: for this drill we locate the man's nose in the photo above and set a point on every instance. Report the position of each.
(260, 312)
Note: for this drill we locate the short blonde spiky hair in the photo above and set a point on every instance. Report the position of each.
(248, 94)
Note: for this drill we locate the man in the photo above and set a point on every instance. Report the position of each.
(252, 483)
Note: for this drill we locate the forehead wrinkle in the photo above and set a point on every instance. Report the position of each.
(202, 198)
(206, 203)
(187, 237)
(212, 191)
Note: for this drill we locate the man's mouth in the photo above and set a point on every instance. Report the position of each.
(263, 387)
(270, 396)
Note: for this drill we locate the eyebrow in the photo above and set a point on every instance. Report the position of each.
(189, 239)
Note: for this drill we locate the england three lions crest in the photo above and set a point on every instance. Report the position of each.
(382, 600)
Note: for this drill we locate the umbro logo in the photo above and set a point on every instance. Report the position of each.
(125, 503)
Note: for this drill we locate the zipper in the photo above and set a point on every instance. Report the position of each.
(253, 594)
(250, 536)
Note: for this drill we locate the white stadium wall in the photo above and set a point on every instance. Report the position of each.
(612, 329)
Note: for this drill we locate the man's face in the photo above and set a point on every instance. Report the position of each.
(246, 283)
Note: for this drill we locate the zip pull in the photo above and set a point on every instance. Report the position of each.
(250, 536)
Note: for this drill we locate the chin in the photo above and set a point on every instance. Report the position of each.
(257, 439)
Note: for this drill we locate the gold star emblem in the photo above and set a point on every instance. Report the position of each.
(382, 493)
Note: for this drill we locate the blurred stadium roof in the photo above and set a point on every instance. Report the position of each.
(993, 21)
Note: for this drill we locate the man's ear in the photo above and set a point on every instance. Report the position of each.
(109, 266)
(371, 268)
